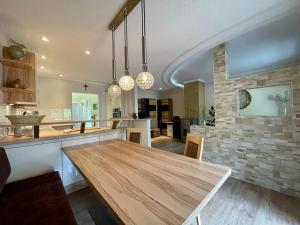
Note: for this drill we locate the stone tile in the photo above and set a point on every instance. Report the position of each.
(260, 150)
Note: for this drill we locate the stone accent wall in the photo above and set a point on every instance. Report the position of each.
(210, 142)
(260, 150)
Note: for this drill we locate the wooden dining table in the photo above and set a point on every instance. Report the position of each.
(143, 185)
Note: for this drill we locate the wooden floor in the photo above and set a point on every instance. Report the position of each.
(168, 144)
(236, 203)
(80, 202)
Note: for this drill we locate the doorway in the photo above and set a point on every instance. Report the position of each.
(85, 106)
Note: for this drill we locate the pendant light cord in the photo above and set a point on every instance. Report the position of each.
(126, 43)
(114, 76)
(144, 49)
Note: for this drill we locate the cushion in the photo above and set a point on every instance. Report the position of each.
(38, 200)
(4, 168)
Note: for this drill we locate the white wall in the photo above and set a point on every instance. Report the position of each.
(177, 94)
(111, 103)
(148, 94)
(209, 96)
(129, 102)
(57, 93)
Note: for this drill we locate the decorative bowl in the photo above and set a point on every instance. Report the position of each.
(16, 52)
(25, 119)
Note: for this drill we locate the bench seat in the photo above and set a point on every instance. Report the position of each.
(39, 200)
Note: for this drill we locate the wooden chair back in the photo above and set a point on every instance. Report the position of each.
(194, 146)
(135, 135)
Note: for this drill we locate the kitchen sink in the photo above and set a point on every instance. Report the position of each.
(25, 119)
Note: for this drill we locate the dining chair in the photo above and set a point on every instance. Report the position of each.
(194, 146)
(135, 135)
(194, 149)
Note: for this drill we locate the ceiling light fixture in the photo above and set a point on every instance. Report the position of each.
(42, 67)
(44, 38)
(114, 89)
(60, 75)
(43, 57)
(126, 82)
(87, 52)
(144, 80)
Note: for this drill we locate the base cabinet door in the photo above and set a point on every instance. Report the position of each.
(118, 135)
(32, 160)
(70, 174)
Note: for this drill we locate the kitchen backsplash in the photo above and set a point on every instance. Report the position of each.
(3, 119)
(51, 114)
(56, 114)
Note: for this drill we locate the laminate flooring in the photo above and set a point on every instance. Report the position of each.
(168, 144)
(236, 203)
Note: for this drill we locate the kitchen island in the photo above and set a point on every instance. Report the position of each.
(31, 156)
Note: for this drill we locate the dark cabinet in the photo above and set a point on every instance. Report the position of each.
(164, 114)
(147, 108)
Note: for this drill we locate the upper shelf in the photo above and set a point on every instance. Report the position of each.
(15, 63)
(16, 90)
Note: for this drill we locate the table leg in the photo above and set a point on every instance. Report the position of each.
(198, 220)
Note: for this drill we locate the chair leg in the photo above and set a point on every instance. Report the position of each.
(198, 220)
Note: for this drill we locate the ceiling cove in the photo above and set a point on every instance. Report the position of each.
(172, 74)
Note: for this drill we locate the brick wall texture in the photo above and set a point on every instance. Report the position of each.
(260, 150)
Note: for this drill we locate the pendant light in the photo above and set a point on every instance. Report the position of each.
(114, 89)
(126, 82)
(144, 80)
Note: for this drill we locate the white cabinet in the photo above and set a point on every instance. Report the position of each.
(110, 136)
(39, 157)
(35, 159)
(70, 173)
(66, 142)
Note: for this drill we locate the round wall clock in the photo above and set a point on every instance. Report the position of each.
(245, 98)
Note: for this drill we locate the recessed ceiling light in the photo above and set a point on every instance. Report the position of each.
(87, 52)
(160, 88)
(45, 39)
(42, 67)
(43, 57)
(60, 75)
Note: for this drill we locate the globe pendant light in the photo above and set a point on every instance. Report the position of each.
(144, 80)
(114, 89)
(126, 82)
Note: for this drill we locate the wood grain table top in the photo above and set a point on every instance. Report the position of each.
(143, 185)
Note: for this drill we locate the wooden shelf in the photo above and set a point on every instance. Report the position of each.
(15, 63)
(23, 70)
(18, 90)
(23, 103)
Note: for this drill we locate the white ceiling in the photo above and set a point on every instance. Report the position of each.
(175, 28)
(272, 45)
(198, 67)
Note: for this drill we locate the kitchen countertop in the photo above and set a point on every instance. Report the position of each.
(3, 125)
(53, 134)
